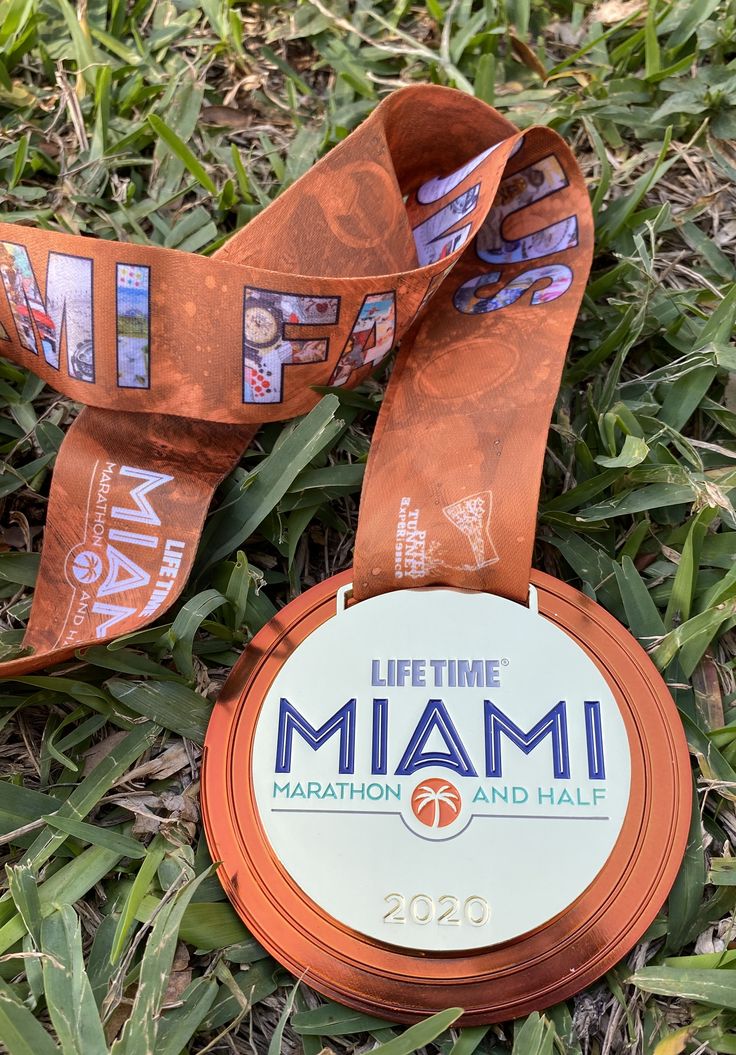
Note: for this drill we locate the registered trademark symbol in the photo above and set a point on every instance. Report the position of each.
(504, 663)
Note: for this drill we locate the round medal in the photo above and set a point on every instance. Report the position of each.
(436, 797)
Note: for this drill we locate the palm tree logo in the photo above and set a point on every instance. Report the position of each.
(436, 802)
(87, 566)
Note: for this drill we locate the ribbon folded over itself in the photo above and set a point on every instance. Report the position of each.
(436, 223)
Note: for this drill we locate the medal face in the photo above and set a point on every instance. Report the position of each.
(415, 723)
(435, 788)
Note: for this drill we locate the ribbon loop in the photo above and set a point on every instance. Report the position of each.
(451, 492)
(436, 220)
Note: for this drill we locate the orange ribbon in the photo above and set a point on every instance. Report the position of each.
(438, 223)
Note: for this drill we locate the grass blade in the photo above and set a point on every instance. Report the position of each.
(182, 151)
(169, 704)
(146, 873)
(232, 525)
(68, 991)
(139, 1035)
(706, 986)
(21, 1033)
(421, 1034)
(97, 836)
(88, 793)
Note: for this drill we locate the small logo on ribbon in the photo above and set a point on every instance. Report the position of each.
(87, 567)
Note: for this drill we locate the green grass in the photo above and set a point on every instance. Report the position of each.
(174, 124)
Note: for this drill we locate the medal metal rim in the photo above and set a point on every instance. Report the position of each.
(530, 972)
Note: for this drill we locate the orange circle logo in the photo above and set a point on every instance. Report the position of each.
(436, 802)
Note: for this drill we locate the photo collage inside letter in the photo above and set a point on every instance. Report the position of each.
(372, 337)
(67, 306)
(515, 194)
(267, 349)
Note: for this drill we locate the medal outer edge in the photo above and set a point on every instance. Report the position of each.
(542, 967)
